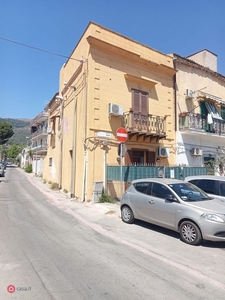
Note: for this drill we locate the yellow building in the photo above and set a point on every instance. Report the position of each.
(109, 81)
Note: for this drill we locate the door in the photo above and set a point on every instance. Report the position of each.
(139, 157)
(162, 212)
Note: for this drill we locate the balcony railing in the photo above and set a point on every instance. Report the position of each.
(39, 148)
(198, 123)
(41, 117)
(42, 131)
(149, 125)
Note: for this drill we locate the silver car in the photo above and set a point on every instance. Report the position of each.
(2, 170)
(176, 205)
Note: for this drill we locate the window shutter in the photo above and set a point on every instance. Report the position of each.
(203, 109)
(144, 104)
(140, 102)
(136, 102)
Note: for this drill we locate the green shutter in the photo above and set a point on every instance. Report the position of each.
(203, 109)
(223, 112)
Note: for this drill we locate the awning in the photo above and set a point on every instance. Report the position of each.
(212, 110)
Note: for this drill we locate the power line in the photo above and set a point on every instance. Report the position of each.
(39, 49)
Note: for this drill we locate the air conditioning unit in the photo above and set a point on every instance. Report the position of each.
(115, 109)
(163, 152)
(190, 93)
(49, 130)
(196, 152)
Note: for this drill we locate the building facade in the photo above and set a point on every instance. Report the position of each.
(109, 81)
(200, 107)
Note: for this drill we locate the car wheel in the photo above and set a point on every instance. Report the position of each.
(190, 233)
(127, 214)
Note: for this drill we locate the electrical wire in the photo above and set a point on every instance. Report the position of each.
(39, 49)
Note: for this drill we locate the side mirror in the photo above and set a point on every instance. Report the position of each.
(171, 198)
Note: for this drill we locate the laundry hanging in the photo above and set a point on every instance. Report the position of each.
(209, 119)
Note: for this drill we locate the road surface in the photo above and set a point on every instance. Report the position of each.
(53, 248)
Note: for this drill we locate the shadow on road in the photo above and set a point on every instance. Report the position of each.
(176, 235)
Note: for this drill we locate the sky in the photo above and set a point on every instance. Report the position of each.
(29, 78)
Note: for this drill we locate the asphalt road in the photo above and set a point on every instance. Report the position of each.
(53, 248)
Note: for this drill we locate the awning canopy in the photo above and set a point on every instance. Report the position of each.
(212, 110)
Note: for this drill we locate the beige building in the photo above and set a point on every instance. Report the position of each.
(109, 81)
(200, 106)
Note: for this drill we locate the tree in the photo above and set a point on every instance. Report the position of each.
(14, 151)
(6, 131)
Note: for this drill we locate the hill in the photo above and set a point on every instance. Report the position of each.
(21, 128)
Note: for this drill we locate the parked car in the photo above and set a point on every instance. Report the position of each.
(4, 163)
(2, 169)
(214, 186)
(176, 205)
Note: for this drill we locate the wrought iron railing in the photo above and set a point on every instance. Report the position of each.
(42, 131)
(148, 124)
(39, 148)
(39, 118)
(198, 122)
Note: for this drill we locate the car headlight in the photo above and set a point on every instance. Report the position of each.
(212, 217)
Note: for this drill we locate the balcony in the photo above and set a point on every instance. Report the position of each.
(40, 149)
(198, 123)
(39, 133)
(145, 125)
(39, 119)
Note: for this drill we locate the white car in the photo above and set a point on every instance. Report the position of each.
(214, 186)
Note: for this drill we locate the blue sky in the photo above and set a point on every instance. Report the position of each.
(29, 78)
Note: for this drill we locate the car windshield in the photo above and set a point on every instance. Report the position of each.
(189, 192)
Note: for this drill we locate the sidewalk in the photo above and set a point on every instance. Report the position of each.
(95, 211)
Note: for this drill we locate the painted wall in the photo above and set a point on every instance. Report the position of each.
(100, 78)
(203, 82)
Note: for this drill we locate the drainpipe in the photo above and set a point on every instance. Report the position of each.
(74, 147)
(60, 98)
(85, 173)
(175, 94)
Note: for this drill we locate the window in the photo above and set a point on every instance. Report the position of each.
(142, 187)
(50, 161)
(222, 188)
(223, 112)
(140, 102)
(139, 157)
(209, 108)
(160, 191)
(206, 185)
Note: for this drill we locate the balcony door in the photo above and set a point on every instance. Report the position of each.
(140, 157)
(140, 102)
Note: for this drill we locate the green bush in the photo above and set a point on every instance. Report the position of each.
(106, 198)
(28, 169)
(55, 186)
